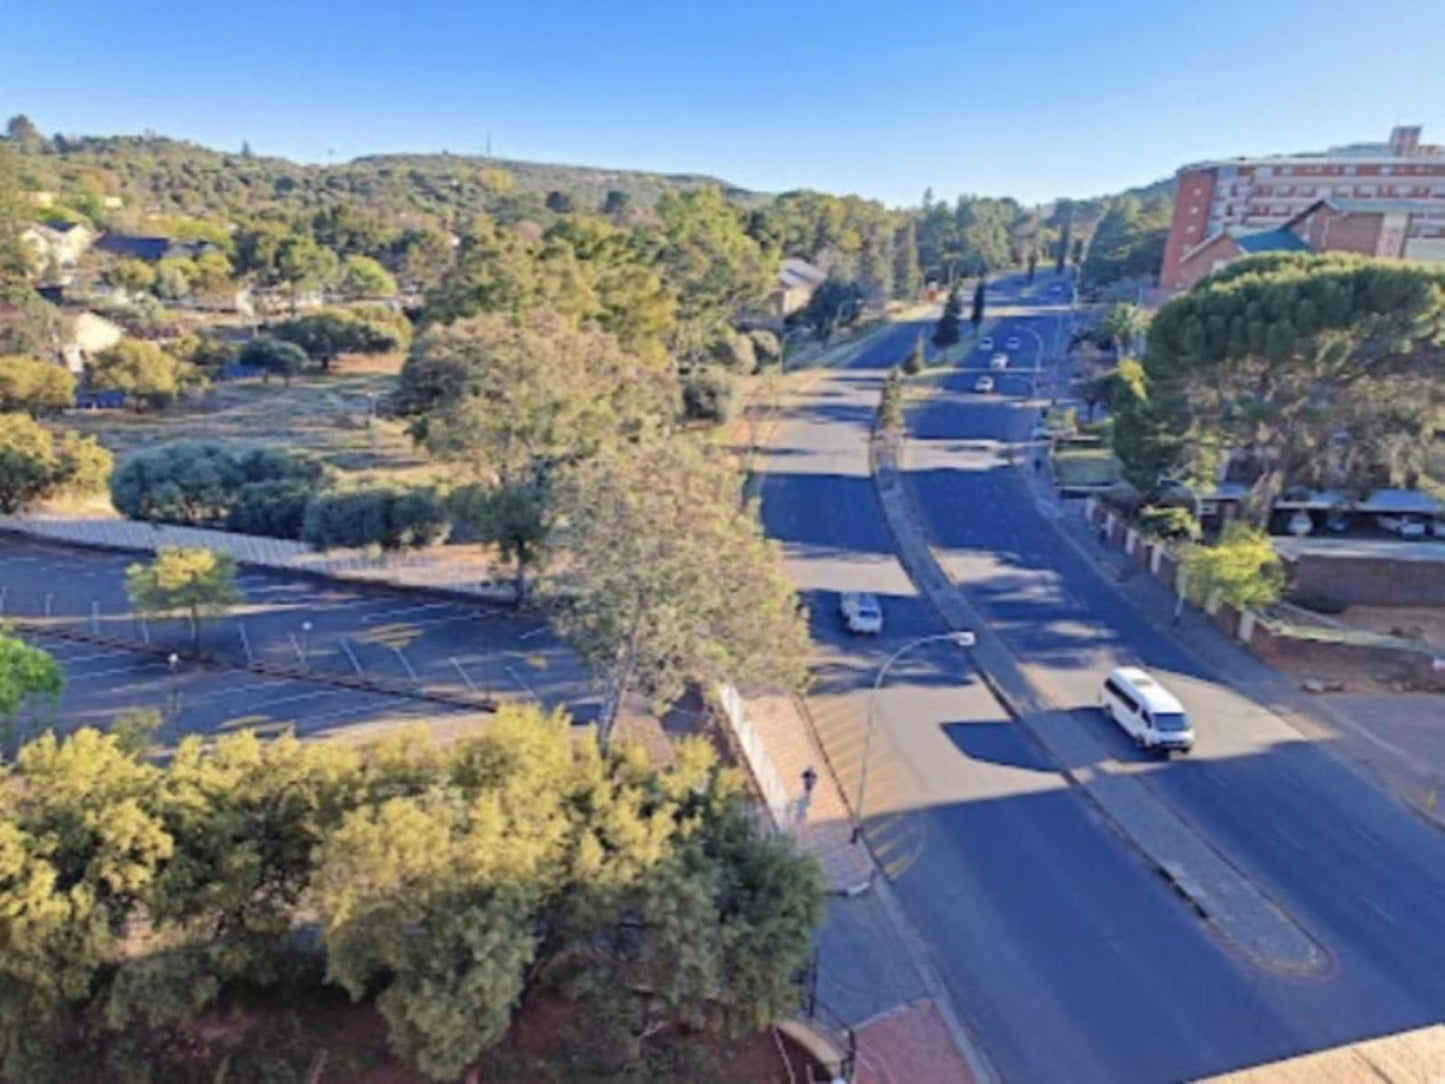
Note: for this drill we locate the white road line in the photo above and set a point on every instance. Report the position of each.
(95, 617)
(245, 643)
(266, 705)
(49, 597)
(74, 660)
(3, 590)
(300, 655)
(410, 672)
(145, 631)
(1373, 906)
(355, 664)
(1366, 836)
(538, 631)
(472, 685)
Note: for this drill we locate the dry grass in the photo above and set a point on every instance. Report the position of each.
(325, 414)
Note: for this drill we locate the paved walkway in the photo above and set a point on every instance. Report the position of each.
(909, 1045)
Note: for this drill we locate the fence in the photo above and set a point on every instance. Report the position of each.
(775, 795)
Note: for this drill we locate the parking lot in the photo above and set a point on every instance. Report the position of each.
(409, 642)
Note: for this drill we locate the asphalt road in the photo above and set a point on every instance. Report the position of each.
(1066, 956)
(409, 640)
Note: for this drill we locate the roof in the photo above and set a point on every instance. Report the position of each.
(1276, 240)
(1379, 501)
(796, 272)
(150, 249)
(1155, 695)
(1382, 206)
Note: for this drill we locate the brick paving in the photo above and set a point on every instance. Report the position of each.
(909, 1045)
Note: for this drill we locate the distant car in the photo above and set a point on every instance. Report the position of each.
(983, 383)
(1013, 343)
(861, 613)
(1300, 524)
(1438, 528)
(1404, 526)
(1146, 711)
(1337, 522)
(998, 361)
(985, 343)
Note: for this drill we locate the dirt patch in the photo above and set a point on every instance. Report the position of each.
(1426, 625)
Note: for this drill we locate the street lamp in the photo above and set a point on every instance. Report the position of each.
(963, 638)
(306, 645)
(1182, 582)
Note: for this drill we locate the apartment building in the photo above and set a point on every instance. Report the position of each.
(1385, 199)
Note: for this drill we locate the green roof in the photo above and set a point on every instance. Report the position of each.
(1270, 241)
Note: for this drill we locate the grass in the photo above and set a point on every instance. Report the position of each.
(322, 413)
(1085, 466)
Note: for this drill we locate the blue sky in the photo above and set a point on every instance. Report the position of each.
(1031, 98)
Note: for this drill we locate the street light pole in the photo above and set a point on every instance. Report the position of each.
(963, 639)
(306, 644)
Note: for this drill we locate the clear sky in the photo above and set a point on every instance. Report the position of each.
(1030, 98)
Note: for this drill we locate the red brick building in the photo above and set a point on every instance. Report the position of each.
(1384, 199)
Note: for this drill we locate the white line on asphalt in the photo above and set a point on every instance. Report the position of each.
(410, 672)
(2, 598)
(1373, 906)
(518, 679)
(94, 617)
(1296, 844)
(355, 665)
(49, 596)
(75, 660)
(267, 705)
(245, 643)
(145, 631)
(300, 655)
(538, 631)
(409, 610)
(1366, 836)
(472, 685)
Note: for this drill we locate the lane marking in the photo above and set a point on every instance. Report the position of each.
(300, 655)
(410, 672)
(245, 643)
(410, 610)
(1296, 844)
(355, 664)
(472, 685)
(518, 679)
(1373, 906)
(1366, 836)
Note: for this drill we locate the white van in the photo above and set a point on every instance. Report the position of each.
(1146, 711)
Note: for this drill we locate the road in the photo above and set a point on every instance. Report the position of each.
(1065, 955)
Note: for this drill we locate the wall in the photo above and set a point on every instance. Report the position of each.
(1371, 581)
(1193, 189)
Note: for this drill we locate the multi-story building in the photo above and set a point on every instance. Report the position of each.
(1385, 199)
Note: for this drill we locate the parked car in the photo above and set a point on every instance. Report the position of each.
(861, 613)
(1146, 711)
(998, 361)
(983, 384)
(1438, 528)
(985, 343)
(1014, 343)
(1338, 522)
(1300, 523)
(1404, 526)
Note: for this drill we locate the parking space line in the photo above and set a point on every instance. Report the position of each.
(295, 644)
(410, 672)
(245, 643)
(518, 679)
(94, 617)
(471, 685)
(76, 678)
(355, 663)
(410, 610)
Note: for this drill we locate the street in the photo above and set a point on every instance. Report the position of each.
(1067, 957)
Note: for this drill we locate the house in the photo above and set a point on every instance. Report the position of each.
(89, 335)
(151, 249)
(58, 245)
(797, 279)
(1217, 252)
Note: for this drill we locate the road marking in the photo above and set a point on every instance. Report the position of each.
(74, 660)
(3, 591)
(1296, 844)
(145, 632)
(132, 670)
(300, 655)
(245, 643)
(410, 672)
(538, 631)
(518, 679)
(49, 596)
(355, 665)
(1373, 906)
(94, 617)
(409, 610)
(472, 685)
(1366, 836)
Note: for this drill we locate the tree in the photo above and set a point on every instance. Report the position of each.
(21, 130)
(212, 274)
(833, 304)
(199, 482)
(361, 276)
(710, 394)
(559, 203)
(1318, 371)
(14, 218)
(671, 580)
(273, 356)
(34, 386)
(1066, 212)
(146, 374)
(1125, 324)
(421, 255)
(1128, 243)
(516, 518)
(1242, 568)
(946, 332)
(616, 204)
(907, 275)
(1033, 264)
(976, 316)
(175, 278)
(323, 336)
(198, 582)
(917, 358)
(132, 276)
(29, 678)
(35, 466)
(389, 519)
(890, 404)
(304, 265)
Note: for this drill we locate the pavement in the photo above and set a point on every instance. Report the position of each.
(1360, 874)
(298, 652)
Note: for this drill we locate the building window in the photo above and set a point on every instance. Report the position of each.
(1348, 170)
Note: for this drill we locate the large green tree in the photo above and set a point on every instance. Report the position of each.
(35, 466)
(34, 386)
(197, 582)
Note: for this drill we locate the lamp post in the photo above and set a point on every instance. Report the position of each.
(306, 644)
(1182, 582)
(962, 638)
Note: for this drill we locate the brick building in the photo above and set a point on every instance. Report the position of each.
(1383, 199)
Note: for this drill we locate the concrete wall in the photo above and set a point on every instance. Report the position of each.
(1371, 581)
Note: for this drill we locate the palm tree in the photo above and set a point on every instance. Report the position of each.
(1125, 323)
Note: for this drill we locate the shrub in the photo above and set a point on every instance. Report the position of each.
(197, 482)
(710, 395)
(1319, 602)
(35, 386)
(1167, 522)
(35, 466)
(766, 347)
(275, 509)
(362, 518)
(142, 370)
(273, 356)
(733, 352)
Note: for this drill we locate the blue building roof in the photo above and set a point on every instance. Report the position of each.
(1277, 240)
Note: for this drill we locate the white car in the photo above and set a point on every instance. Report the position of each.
(983, 384)
(998, 361)
(1404, 526)
(1013, 343)
(985, 343)
(1146, 711)
(1300, 524)
(862, 615)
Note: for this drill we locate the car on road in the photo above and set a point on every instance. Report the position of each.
(1146, 711)
(983, 384)
(998, 361)
(985, 343)
(1013, 343)
(862, 615)
(1404, 526)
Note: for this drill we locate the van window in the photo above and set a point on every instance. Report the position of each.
(1128, 701)
(1171, 722)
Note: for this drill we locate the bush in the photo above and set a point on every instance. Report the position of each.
(142, 370)
(35, 386)
(1168, 522)
(733, 352)
(35, 466)
(766, 347)
(197, 482)
(710, 395)
(273, 356)
(275, 509)
(362, 518)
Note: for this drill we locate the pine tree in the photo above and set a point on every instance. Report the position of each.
(945, 332)
(913, 364)
(976, 317)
